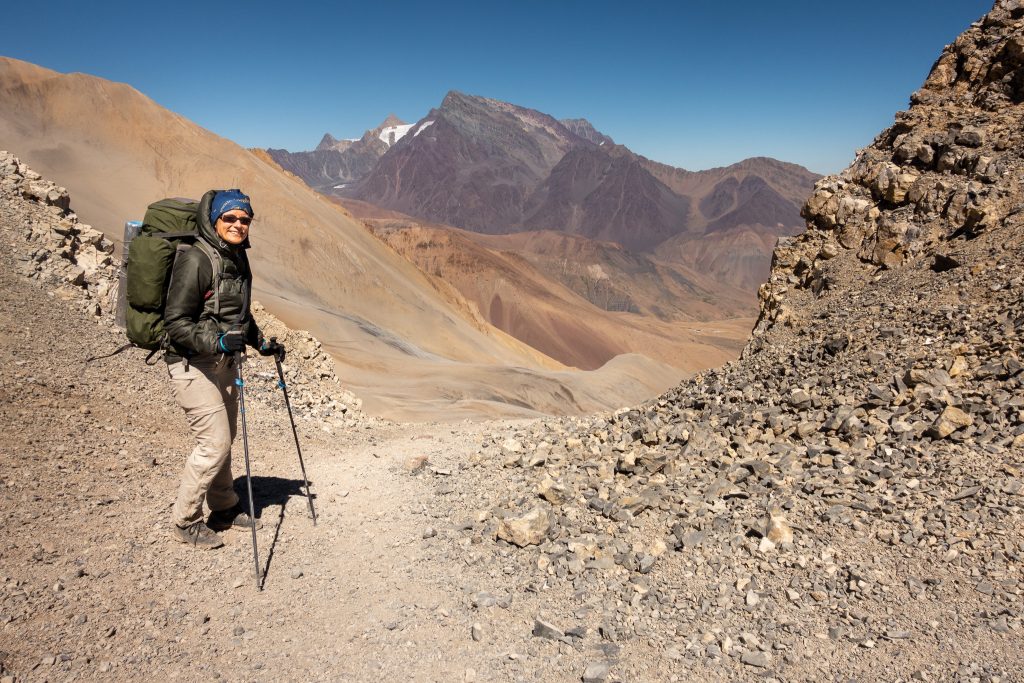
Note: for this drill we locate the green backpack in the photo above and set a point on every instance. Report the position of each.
(168, 228)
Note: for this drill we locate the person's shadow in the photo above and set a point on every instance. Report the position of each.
(270, 492)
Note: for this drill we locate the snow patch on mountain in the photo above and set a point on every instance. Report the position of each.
(392, 134)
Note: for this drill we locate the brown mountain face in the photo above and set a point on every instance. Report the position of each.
(616, 279)
(734, 257)
(607, 194)
(496, 168)
(578, 300)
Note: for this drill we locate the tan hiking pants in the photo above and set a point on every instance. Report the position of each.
(207, 393)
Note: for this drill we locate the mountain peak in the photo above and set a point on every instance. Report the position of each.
(453, 97)
(586, 130)
(392, 121)
(328, 141)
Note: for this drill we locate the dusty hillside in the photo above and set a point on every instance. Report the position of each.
(604, 273)
(519, 296)
(509, 293)
(316, 268)
(615, 279)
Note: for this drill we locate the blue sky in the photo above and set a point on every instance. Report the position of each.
(692, 84)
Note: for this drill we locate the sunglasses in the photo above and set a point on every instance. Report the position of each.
(244, 220)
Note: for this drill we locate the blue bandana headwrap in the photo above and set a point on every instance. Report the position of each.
(226, 200)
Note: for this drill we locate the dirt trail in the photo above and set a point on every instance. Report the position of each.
(92, 586)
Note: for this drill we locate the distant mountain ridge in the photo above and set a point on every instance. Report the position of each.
(496, 168)
(336, 163)
(493, 167)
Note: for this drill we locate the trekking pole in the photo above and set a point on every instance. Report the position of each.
(287, 403)
(248, 474)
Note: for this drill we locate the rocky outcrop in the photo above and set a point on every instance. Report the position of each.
(948, 169)
(58, 250)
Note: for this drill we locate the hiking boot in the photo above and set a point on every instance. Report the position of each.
(232, 518)
(198, 535)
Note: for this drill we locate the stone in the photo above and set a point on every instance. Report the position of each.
(951, 419)
(543, 629)
(596, 672)
(799, 398)
(477, 632)
(528, 529)
(552, 491)
(777, 529)
(761, 660)
(483, 599)
(970, 137)
(416, 463)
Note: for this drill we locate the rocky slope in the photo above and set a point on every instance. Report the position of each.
(847, 498)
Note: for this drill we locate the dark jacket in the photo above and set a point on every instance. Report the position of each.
(197, 313)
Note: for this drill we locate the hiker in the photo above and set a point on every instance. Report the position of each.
(207, 325)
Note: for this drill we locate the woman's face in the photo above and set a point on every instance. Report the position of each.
(233, 226)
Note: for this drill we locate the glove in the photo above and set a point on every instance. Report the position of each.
(231, 342)
(271, 347)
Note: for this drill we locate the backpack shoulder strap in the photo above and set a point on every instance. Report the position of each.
(246, 291)
(215, 261)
